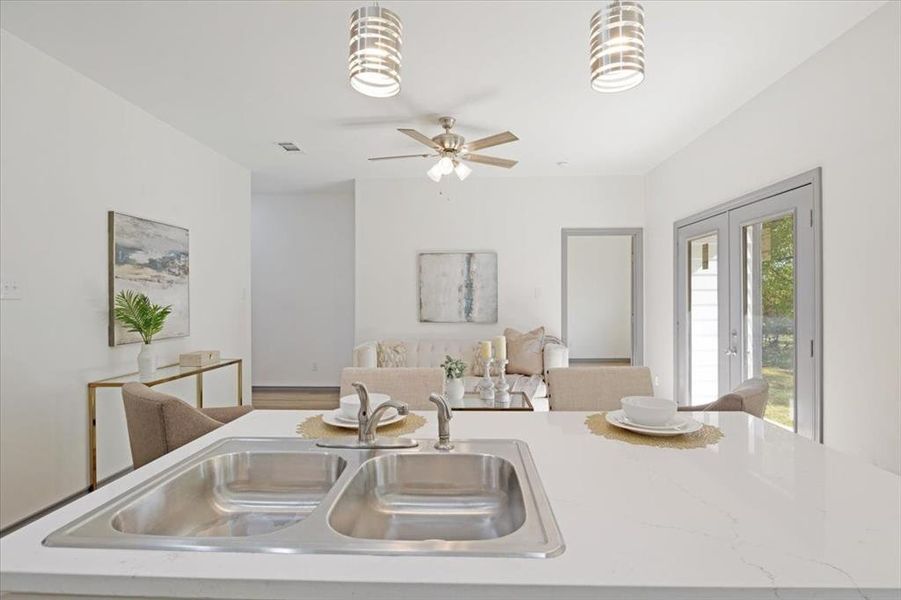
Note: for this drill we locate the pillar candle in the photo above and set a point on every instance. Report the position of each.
(485, 350)
(500, 348)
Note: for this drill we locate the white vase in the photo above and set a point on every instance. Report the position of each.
(454, 389)
(147, 360)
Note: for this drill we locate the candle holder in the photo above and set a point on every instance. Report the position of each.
(502, 388)
(486, 386)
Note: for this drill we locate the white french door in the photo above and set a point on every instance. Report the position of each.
(746, 305)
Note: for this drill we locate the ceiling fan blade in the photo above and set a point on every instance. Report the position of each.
(490, 160)
(421, 138)
(402, 156)
(504, 137)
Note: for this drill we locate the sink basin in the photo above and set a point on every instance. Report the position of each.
(234, 494)
(286, 495)
(431, 497)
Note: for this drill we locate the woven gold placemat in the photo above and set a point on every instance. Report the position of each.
(314, 428)
(707, 435)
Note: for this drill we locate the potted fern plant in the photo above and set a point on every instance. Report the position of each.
(138, 314)
(453, 371)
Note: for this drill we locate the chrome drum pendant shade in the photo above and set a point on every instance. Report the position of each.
(617, 47)
(375, 44)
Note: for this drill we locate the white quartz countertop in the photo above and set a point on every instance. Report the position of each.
(762, 514)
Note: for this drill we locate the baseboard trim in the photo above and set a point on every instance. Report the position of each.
(60, 503)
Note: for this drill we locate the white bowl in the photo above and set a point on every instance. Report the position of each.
(647, 410)
(350, 405)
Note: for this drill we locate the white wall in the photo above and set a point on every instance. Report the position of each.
(519, 218)
(303, 287)
(599, 296)
(839, 110)
(70, 151)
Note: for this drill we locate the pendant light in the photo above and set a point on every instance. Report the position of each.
(375, 45)
(617, 47)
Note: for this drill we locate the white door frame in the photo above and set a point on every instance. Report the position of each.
(812, 178)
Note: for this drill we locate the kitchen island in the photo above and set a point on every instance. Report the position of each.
(762, 514)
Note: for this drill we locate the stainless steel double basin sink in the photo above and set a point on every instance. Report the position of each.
(285, 495)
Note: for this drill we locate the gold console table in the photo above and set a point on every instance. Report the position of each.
(162, 375)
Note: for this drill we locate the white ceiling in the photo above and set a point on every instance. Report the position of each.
(240, 76)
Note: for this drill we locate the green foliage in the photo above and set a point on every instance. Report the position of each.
(778, 280)
(139, 315)
(778, 269)
(453, 367)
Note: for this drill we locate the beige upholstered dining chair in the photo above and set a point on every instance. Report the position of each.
(411, 385)
(596, 388)
(159, 423)
(750, 396)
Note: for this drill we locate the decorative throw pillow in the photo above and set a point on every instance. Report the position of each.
(391, 354)
(524, 351)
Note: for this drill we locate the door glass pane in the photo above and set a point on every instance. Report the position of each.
(703, 313)
(768, 298)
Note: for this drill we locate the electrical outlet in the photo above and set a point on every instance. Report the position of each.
(315, 367)
(10, 290)
(656, 381)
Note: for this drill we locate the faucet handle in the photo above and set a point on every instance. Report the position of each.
(363, 395)
(445, 414)
(360, 388)
(440, 400)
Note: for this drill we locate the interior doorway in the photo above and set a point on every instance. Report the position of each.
(602, 295)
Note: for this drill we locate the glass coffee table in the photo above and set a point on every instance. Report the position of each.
(471, 401)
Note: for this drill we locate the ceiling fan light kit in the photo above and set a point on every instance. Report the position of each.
(452, 150)
(446, 165)
(435, 172)
(462, 170)
(616, 43)
(375, 51)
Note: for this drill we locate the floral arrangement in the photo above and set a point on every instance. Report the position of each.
(453, 367)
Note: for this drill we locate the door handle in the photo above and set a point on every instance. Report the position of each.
(732, 350)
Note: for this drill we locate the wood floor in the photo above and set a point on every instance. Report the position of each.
(287, 398)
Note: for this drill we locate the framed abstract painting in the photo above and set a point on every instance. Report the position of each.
(458, 287)
(151, 258)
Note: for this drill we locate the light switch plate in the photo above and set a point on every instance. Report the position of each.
(10, 290)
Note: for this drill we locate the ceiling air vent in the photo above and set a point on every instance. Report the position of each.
(289, 146)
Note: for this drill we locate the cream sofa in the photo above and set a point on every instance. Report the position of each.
(431, 353)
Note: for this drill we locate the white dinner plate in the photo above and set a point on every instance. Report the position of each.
(676, 422)
(685, 425)
(335, 419)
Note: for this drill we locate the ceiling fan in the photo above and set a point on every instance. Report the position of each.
(452, 149)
